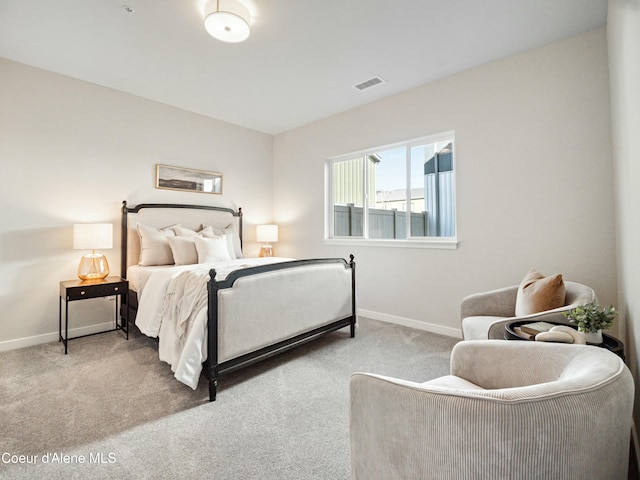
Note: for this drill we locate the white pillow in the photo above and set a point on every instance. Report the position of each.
(154, 245)
(211, 250)
(233, 238)
(184, 250)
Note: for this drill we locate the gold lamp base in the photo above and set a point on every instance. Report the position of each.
(266, 251)
(93, 266)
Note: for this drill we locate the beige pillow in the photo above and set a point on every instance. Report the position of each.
(185, 232)
(154, 245)
(205, 231)
(183, 249)
(538, 293)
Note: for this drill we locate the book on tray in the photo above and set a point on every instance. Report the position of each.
(535, 328)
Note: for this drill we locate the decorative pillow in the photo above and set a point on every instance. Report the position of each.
(211, 250)
(183, 249)
(233, 238)
(154, 245)
(538, 293)
(185, 232)
(207, 232)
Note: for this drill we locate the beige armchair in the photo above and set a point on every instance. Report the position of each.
(509, 410)
(484, 315)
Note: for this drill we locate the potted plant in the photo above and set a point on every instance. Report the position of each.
(591, 319)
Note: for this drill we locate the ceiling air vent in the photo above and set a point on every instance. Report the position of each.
(372, 82)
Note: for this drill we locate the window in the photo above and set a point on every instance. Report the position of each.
(400, 192)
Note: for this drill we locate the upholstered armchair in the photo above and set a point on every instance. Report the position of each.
(508, 410)
(484, 315)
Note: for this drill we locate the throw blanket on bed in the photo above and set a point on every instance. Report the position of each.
(186, 296)
(182, 328)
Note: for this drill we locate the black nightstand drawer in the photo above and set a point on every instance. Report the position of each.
(77, 290)
(94, 291)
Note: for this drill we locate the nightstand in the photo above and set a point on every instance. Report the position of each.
(72, 290)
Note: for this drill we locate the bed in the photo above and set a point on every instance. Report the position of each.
(224, 311)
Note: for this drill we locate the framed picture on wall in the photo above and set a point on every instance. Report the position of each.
(188, 179)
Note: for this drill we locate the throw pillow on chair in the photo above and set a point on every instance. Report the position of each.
(538, 293)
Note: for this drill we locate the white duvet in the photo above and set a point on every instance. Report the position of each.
(172, 305)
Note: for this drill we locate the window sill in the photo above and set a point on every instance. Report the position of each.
(435, 243)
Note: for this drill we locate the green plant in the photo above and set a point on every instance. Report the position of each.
(591, 317)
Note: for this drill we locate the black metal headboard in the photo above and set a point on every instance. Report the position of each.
(126, 210)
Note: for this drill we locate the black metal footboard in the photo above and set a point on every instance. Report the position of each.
(214, 370)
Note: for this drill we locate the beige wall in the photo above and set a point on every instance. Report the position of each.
(534, 178)
(70, 153)
(534, 182)
(623, 31)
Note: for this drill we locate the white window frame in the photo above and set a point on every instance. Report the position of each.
(409, 241)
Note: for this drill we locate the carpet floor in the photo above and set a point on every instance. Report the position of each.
(111, 410)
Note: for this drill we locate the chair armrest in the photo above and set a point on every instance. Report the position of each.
(495, 303)
(496, 330)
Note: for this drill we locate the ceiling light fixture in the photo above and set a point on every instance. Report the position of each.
(227, 20)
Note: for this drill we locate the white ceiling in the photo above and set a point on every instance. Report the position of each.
(303, 57)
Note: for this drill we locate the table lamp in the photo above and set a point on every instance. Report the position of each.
(267, 234)
(93, 236)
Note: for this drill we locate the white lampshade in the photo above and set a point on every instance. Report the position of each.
(92, 236)
(227, 20)
(267, 233)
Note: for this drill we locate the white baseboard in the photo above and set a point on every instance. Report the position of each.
(77, 332)
(408, 322)
(53, 336)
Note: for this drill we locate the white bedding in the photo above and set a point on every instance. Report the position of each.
(138, 275)
(184, 351)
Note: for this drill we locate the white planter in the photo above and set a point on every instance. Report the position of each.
(593, 337)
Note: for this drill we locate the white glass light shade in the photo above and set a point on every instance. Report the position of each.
(227, 20)
(267, 233)
(91, 236)
(93, 266)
